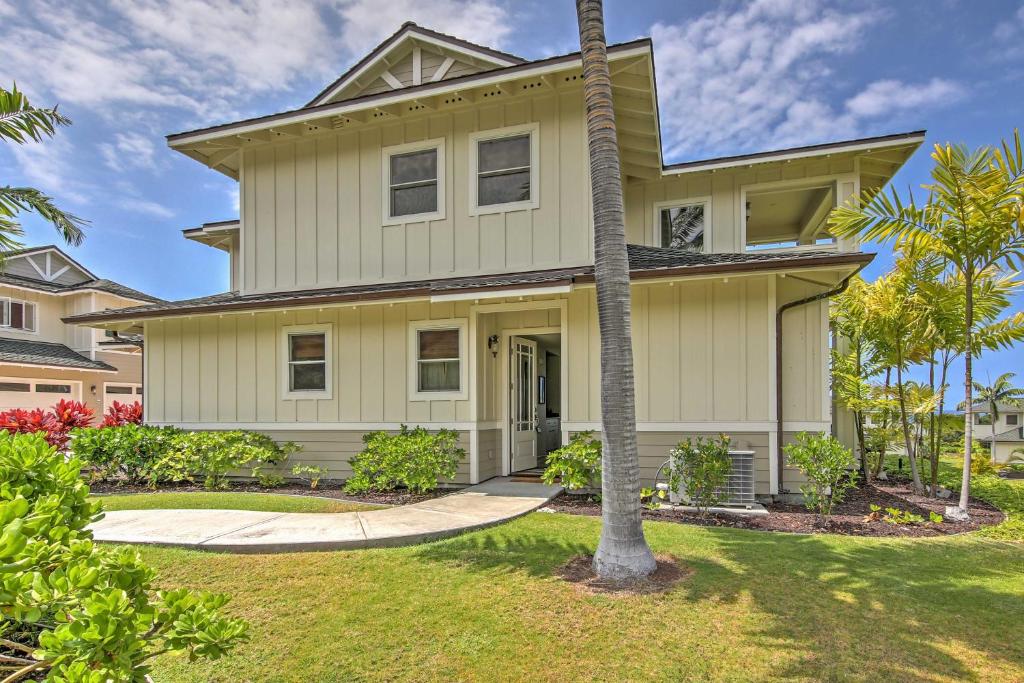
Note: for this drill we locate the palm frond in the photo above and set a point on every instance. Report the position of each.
(21, 122)
(14, 200)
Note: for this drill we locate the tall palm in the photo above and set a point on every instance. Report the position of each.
(972, 219)
(622, 552)
(20, 122)
(1000, 392)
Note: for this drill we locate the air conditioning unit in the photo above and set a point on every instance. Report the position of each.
(739, 487)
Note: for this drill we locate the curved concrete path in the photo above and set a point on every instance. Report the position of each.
(244, 531)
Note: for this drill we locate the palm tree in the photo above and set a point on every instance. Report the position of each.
(622, 552)
(20, 122)
(971, 219)
(999, 392)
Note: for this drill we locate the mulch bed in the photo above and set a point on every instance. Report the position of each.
(848, 518)
(326, 489)
(578, 572)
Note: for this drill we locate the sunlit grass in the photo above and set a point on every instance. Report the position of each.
(267, 502)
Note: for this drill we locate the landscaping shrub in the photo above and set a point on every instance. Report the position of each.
(576, 465)
(120, 414)
(55, 425)
(75, 611)
(128, 452)
(413, 458)
(700, 470)
(829, 467)
(311, 473)
(213, 455)
(267, 478)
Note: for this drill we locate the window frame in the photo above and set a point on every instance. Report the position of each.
(415, 327)
(5, 315)
(287, 331)
(533, 129)
(437, 144)
(1016, 420)
(704, 201)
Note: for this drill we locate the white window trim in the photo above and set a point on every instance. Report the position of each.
(386, 154)
(678, 203)
(462, 325)
(5, 314)
(494, 134)
(327, 330)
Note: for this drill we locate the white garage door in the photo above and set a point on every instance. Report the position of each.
(36, 393)
(122, 393)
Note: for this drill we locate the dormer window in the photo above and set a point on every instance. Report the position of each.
(18, 315)
(682, 224)
(503, 169)
(414, 178)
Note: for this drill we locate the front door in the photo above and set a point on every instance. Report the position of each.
(523, 403)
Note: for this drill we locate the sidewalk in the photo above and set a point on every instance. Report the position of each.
(244, 531)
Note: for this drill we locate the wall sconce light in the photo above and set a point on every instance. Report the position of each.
(92, 389)
(492, 345)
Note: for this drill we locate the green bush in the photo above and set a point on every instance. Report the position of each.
(829, 467)
(71, 610)
(129, 452)
(576, 465)
(413, 458)
(213, 455)
(311, 473)
(267, 478)
(700, 469)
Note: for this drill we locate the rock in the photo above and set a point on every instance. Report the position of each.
(944, 493)
(955, 514)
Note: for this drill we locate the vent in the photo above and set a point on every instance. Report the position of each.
(740, 486)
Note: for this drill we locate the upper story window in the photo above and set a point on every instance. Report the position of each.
(504, 169)
(682, 225)
(788, 214)
(307, 361)
(18, 315)
(438, 368)
(414, 178)
(1012, 419)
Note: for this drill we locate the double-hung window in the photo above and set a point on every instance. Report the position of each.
(18, 315)
(503, 169)
(438, 368)
(307, 361)
(682, 225)
(414, 178)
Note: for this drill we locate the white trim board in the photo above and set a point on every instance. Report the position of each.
(759, 426)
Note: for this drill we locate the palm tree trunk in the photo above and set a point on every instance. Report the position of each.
(880, 465)
(622, 552)
(931, 422)
(938, 428)
(965, 482)
(915, 475)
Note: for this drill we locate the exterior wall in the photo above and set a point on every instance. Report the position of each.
(982, 432)
(312, 209)
(489, 445)
(129, 372)
(1004, 451)
(49, 310)
(724, 188)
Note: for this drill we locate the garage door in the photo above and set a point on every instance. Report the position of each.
(122, 393)
(36, 393)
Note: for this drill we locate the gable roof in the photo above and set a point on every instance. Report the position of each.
(409, 31)
(87, 282)
(27, 252)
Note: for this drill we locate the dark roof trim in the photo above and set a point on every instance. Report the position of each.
(756, 156)
(215, 225)
(512, 281)
(411, 90)
(405, 29)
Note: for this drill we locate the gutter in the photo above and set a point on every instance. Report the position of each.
(779, 431)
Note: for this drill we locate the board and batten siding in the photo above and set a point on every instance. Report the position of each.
(312, 208)
(228, 369)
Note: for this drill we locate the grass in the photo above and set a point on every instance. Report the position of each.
(267, 502)
(1005, 494)
(486, 607)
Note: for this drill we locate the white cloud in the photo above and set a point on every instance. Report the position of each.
(367, 22)
(47, 165)
(1009, 37)
(761, 75)
(129, 150)
(145, 206)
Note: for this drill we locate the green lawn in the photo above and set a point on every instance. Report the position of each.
(486, 607)
(1005, 494)
(268, 502)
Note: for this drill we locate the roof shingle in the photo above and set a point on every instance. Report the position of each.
(47, 354)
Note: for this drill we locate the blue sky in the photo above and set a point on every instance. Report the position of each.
(734, 77)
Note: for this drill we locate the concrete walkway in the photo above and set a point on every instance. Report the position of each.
(244, 531)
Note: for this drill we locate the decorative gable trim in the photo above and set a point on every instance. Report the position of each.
(417, 35)
(49, 269)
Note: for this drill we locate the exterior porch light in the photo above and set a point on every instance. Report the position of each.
(492, 345)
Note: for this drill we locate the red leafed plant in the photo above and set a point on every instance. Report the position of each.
(123, 414)
(56, 424)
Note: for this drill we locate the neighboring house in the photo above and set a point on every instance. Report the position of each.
(42, 359)
(415, 247)
(1007, 428)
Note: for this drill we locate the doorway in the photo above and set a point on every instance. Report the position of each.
(534, 399)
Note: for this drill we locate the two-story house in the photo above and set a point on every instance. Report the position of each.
(1003, 436)
(415, 246)
(42, 359)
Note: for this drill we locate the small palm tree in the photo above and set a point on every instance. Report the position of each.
(999, 392)
(20, 122)
(972, 220)
(622, 552)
